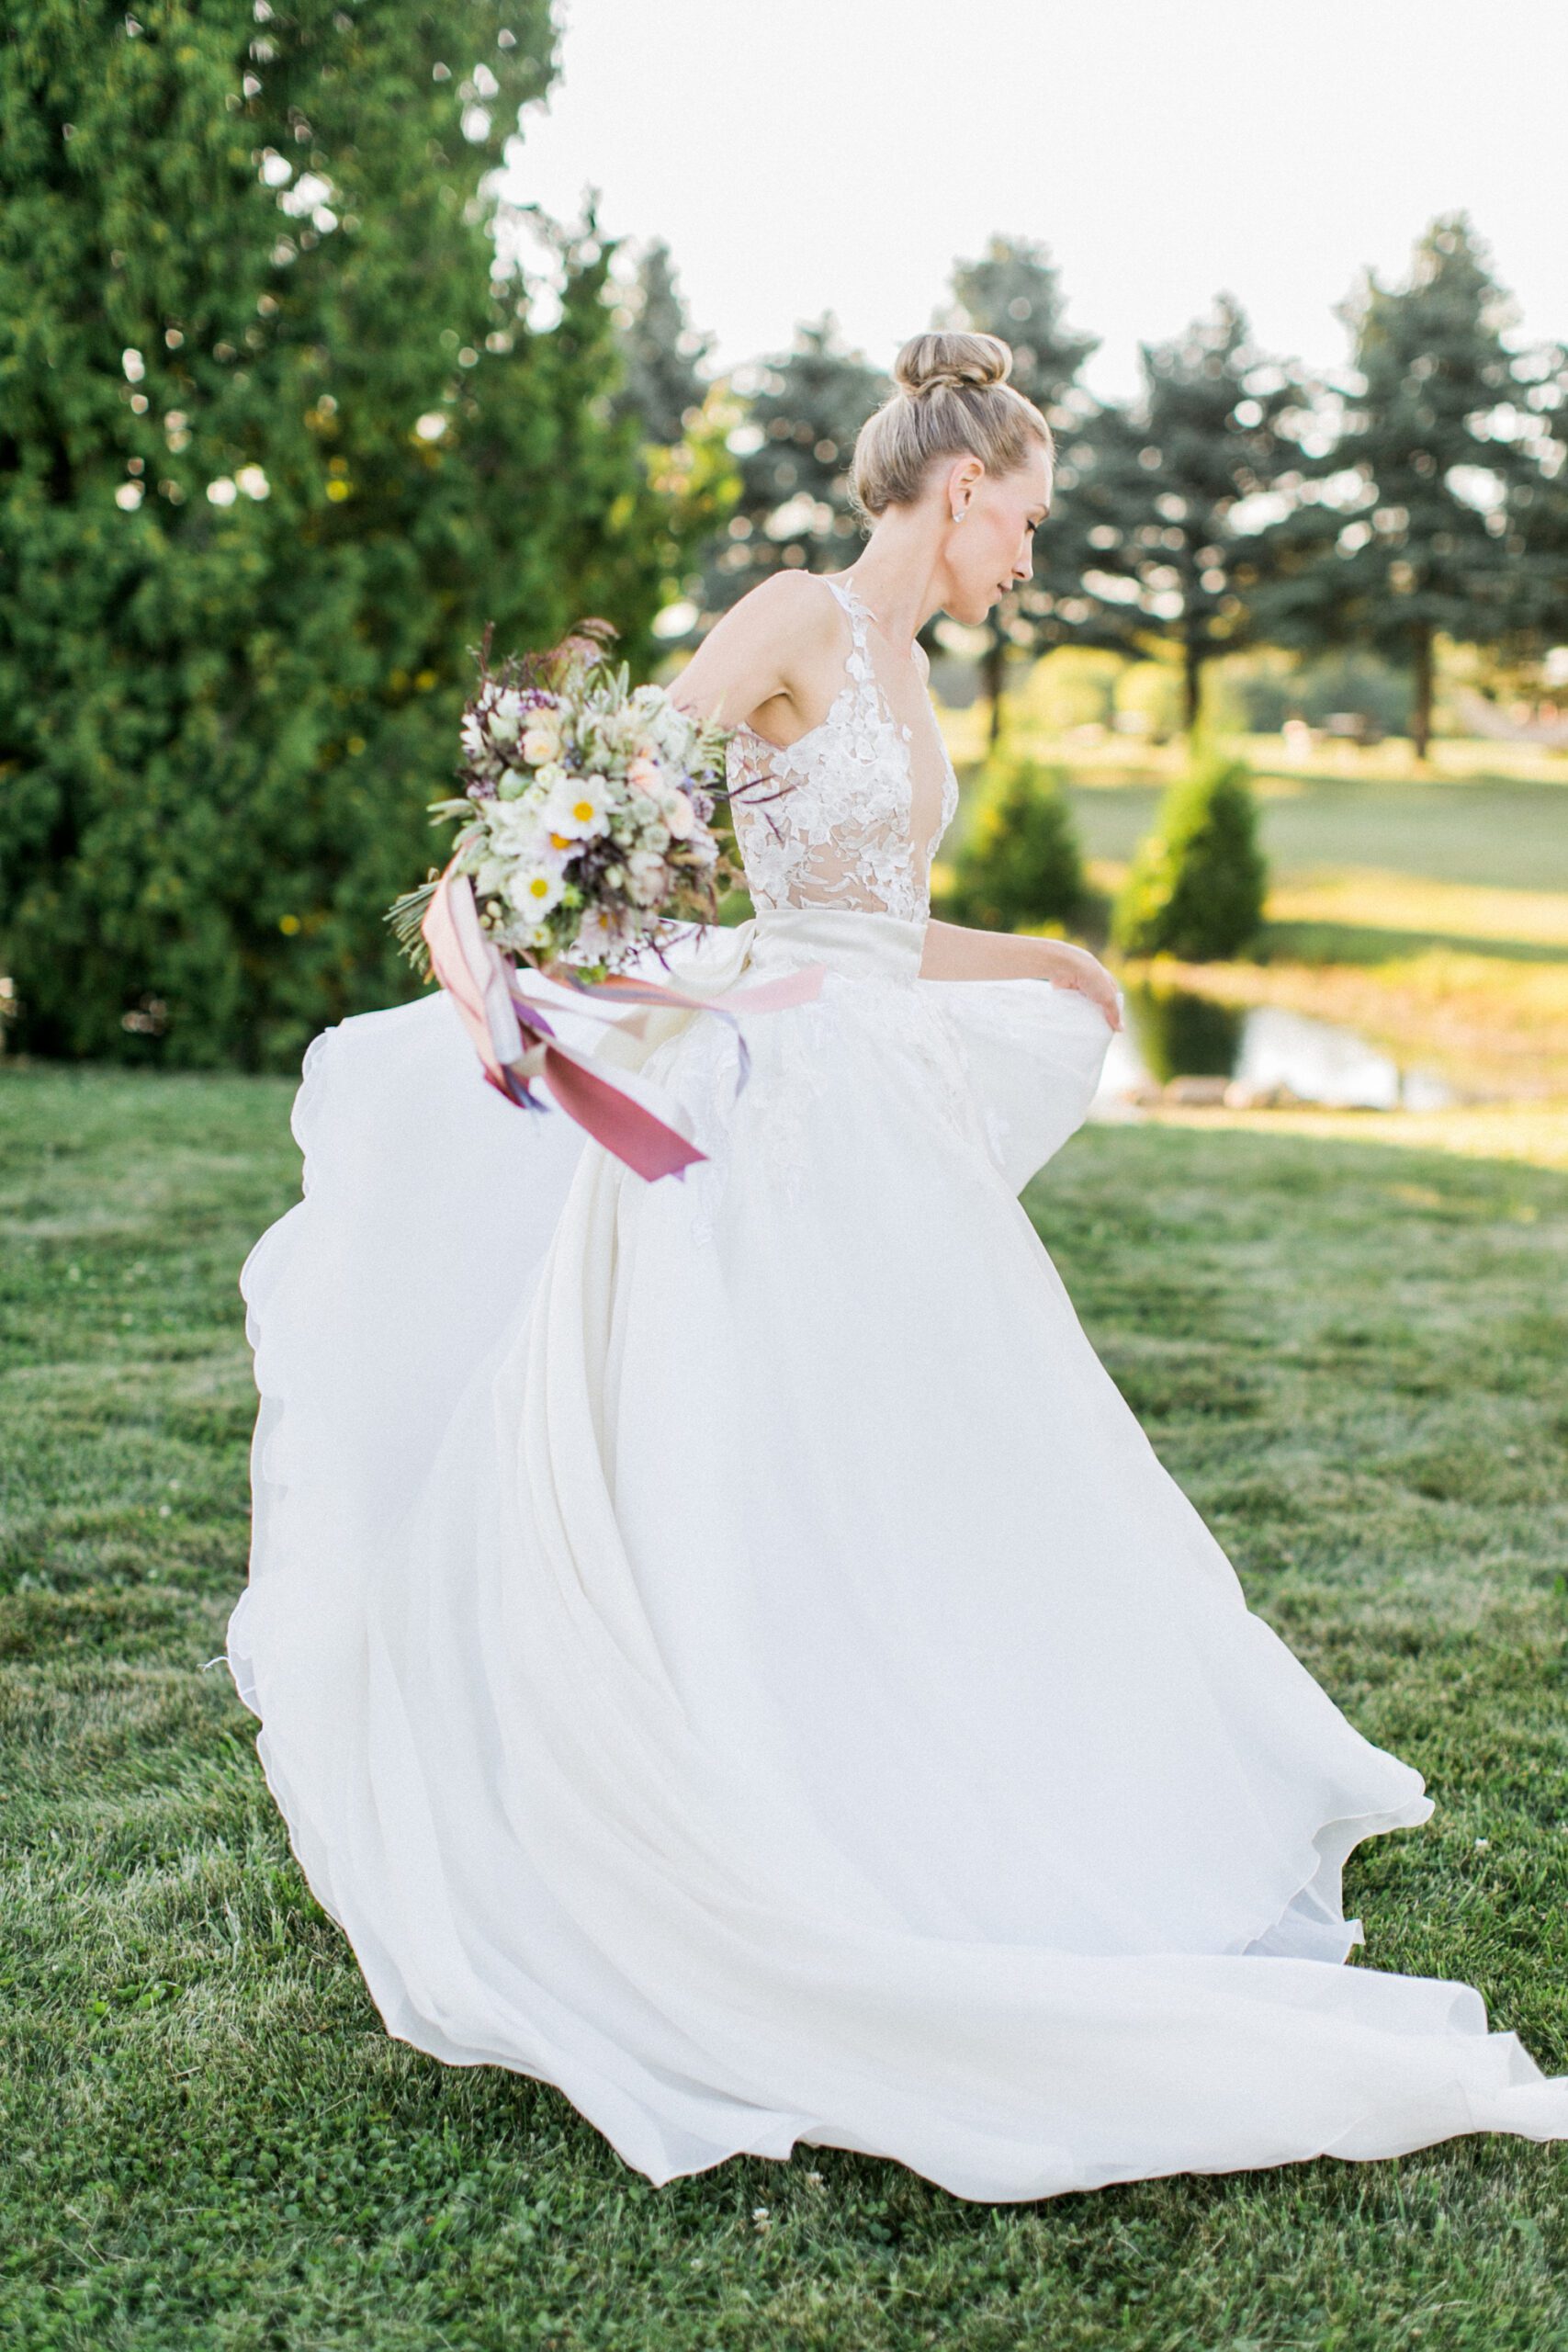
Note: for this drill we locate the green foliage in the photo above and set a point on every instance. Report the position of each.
(278, 438)
(1197, 885)
(1149, 699)
(1271, 688)
(684, 420)
(1209, 431)
(1020, 862)
(804, 408)
(214, 2146)
(661, 351)
(1453, 440)
(1074, 686)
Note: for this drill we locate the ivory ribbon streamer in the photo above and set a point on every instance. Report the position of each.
(517, 1041)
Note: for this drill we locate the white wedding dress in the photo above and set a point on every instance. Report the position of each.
(725, 1648)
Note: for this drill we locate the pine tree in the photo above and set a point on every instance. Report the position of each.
(1020, 862)
(1014, 291)
(1197, 884)
(277, 443)
(1209, 431)
(685, 419)
(663, 354)
(1440, 507)
(804, 408)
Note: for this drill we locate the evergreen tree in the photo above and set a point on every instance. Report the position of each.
(1020, 862)
(1014, 291)
(804, 408)
(277, 441)
(663, 354)
(1210, 430)
(1197, 884)
(1440, 505)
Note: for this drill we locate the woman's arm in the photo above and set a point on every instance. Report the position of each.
(954, 952)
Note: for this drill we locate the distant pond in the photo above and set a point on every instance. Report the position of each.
(1199, 1049)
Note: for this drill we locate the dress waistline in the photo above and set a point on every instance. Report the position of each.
(863, 944)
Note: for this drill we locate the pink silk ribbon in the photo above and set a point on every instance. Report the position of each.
(516, 1042)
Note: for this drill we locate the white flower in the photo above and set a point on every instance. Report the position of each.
(541, 737)
(648, 877)
(516, 829)
(534, 888)
(551, 775)
(669, 727)
(505, 714)
(600, 935)
(578, 810)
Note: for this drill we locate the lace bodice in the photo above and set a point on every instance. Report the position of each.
(830, 820)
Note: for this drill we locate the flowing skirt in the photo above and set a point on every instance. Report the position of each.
(725, 1648)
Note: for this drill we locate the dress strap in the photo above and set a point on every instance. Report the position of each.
(855, 604)
(858, 664)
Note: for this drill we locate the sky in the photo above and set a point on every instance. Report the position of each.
(803, 155)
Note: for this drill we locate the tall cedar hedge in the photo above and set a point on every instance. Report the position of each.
(275, 440)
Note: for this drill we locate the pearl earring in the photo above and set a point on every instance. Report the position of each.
(959, 513)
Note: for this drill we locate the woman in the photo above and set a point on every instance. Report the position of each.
(724, 1647)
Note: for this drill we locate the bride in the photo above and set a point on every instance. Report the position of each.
(724, 1647)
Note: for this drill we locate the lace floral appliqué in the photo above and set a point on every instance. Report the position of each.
(826, 821)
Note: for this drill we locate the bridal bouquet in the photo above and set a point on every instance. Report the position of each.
(585, 835)
(586, 816)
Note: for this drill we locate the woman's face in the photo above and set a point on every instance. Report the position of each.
(991, 551)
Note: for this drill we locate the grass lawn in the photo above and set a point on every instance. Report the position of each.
(1356, 1359)
(1496, 833)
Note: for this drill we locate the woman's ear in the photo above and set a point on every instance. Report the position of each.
(961, 477)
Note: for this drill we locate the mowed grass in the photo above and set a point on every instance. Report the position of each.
(1356, 1361)
(1499, 835)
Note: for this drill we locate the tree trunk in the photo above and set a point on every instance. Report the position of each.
(1421, 717)
(993, 669)
(1192, 682)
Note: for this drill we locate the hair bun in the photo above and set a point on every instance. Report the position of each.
(955, 361)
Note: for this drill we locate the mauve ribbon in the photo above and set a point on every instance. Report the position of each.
(516, 1041)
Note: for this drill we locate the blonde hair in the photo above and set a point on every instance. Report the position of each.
(951, 397)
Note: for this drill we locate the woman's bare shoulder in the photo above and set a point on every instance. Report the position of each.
(772, 641)
(794, 603)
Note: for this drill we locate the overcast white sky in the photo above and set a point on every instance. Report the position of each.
(800, 155)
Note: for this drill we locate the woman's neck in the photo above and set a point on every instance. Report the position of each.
(898, 575)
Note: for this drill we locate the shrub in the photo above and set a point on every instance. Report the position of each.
(267, 466)
(1020, 862)
(1198, 881)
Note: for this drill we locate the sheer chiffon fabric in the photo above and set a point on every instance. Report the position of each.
(725, 1647)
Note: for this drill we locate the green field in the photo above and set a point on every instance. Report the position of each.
(1357, 1363)
(1503, 835)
